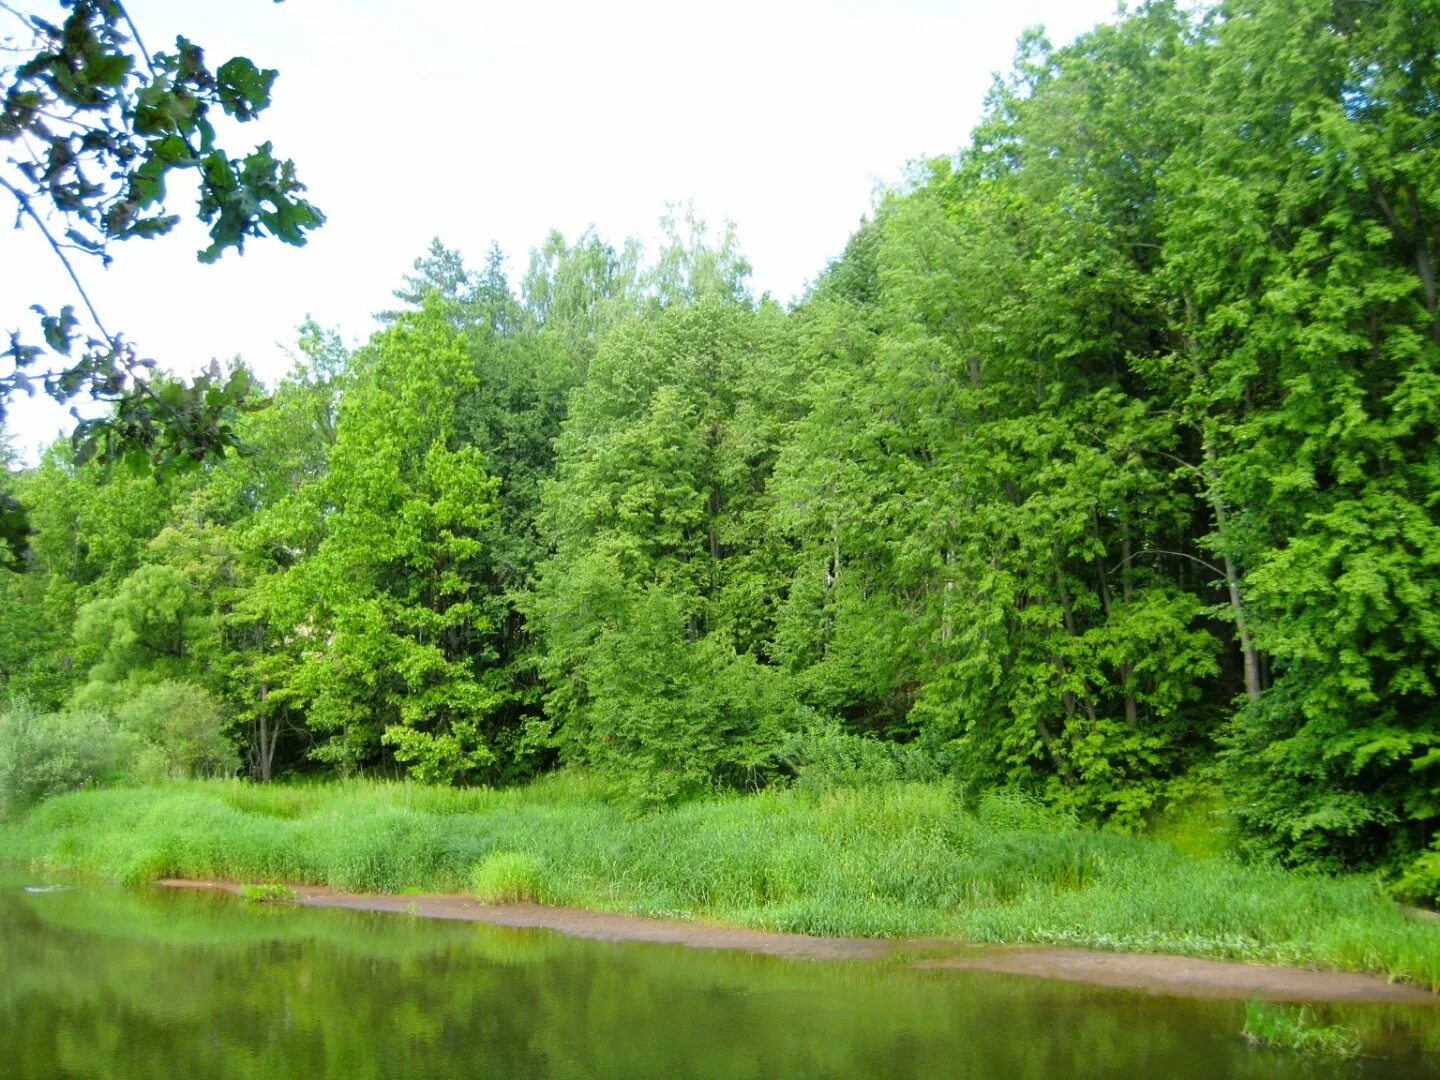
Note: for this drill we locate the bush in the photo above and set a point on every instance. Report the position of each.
(669, 718)
(44, 754)
(180, 731)
(1420, 882)
(827, 758)
(1015, 811)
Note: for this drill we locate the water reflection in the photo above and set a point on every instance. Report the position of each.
(102, 982)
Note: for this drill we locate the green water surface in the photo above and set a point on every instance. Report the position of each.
(99, 981)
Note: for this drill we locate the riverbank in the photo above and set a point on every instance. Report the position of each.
(904, 862)
(1171, 976)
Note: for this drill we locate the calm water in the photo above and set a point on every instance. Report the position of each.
(98, 981)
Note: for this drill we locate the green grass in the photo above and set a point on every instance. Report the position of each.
(1297, 1029)
(900, 861)
(505, 877)
(264, 894)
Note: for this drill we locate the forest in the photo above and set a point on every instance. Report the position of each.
(1102, 467)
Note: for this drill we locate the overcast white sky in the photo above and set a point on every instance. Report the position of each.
(479, 121)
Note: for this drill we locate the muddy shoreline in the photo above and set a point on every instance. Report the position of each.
(1165, 975)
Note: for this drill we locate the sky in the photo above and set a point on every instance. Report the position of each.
(483, 122)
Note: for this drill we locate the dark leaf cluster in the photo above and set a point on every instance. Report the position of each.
(96, 129)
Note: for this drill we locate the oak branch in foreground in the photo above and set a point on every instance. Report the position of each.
(94, 127)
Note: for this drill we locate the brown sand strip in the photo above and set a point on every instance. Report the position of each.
(576, 922)
(1184, 976)
(1171, 976)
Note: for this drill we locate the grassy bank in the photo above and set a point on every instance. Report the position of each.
(900, 861)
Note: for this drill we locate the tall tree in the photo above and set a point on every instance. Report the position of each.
(653, 622)
(388, 601)
(1303, 250)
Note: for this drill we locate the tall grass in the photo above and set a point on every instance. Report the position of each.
(898, 861)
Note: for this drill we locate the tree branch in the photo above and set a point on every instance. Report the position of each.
(135, 36)
(1178, 554)
(58, 248)
(110, 340)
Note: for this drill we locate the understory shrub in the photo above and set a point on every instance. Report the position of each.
(827, 758)
(1420, 883)
(179, 733)
(44, 754)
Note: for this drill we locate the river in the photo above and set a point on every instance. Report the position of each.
(101, 981)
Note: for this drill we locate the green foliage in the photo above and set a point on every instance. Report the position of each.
(1319, 344)
(506, 877)
(14, 520)
(896, 861)
(655, 606)
(1296, 1029)
(578, 292)
(44, 754)
(690, 269)
(180, 733)
(1014, 810)
(825, 757)
(1096, 480)
(980, 475)
(147, 628)
(108, 129)
(1127, 411)
(672, 716)
(1420, 882)
(389, 601)
(1196, 823)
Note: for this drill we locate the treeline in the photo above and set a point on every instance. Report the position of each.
(1103, 465)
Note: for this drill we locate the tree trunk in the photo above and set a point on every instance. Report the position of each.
(267, 735)
(1232, 583)
(1068, 611)
(1127, 592)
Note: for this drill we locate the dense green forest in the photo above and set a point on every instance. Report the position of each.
(1102, 466)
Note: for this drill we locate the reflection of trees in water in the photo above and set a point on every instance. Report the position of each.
(129, 983)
